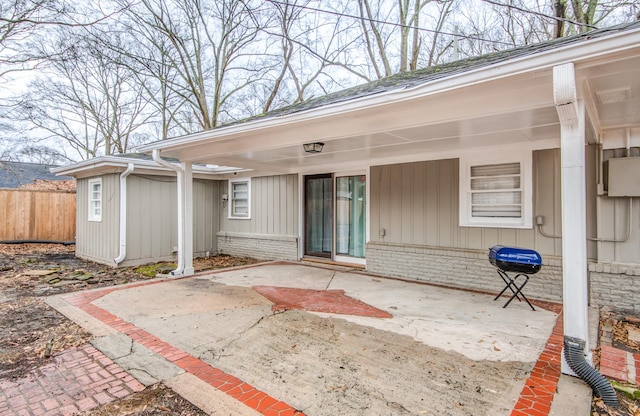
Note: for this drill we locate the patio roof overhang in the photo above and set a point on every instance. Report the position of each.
(117, 164)
(506, 104)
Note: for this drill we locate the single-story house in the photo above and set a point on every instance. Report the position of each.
(418, 174)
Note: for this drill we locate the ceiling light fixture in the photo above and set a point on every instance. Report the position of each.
(315, 147)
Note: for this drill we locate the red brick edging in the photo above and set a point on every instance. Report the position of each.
(539, 389)
(232, 386)
(535, 398)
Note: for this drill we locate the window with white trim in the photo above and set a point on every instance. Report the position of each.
(240, 198)
(496, 192)
(95, 199)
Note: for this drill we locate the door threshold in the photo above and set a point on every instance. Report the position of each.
(333, 263)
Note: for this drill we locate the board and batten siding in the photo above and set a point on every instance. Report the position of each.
(151, 220)
(415, 231)
(614, 223)
(417, 204)
(206, 216)
(272, 230)
(98, 241)
(274, 207)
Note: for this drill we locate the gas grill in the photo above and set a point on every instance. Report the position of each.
(520, 263)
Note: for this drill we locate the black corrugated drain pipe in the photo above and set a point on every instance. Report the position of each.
(574, 355)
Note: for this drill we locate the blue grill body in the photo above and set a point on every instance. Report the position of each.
(515, 259)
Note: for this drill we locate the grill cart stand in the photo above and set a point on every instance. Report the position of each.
(522, 262)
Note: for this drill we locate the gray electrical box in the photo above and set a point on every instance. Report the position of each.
(623, 176)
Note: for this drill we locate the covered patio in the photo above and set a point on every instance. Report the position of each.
(567, 94)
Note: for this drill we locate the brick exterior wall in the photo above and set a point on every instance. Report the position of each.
(615, 285)
(259, 246)
(469, 269)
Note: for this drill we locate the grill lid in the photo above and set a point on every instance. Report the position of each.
(515, 259)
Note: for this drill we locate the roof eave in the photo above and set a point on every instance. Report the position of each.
(86, 167)
(578, 53)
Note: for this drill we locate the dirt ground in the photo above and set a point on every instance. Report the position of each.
(30, 330)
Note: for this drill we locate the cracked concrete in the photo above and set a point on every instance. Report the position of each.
(146, 366)
(444, 351)
(467, 323)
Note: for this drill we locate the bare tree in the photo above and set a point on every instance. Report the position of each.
(149, 55)
(404, 36)
(23, 23)
(210, 47)
(560, 12)
(88, 102)
(19, 20)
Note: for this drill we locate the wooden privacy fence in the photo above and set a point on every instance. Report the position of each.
(37, 215)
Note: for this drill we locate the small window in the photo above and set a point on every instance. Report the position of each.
(239, 198)
(95, 200)
(496, 193)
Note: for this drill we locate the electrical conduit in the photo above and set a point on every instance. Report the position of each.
(123, 213)
(179, 173)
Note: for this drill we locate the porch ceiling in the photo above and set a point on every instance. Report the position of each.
(516, 110)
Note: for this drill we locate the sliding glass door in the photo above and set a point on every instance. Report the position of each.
(318, 215)
(335, 217)
(350, 216)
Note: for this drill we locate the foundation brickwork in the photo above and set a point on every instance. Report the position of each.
(615, 285)
(468, 269)
(259, 246)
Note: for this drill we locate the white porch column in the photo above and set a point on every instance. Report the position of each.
(187, 218)
(574, 217)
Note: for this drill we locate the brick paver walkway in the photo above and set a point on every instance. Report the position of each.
(75, 380)
(620, 365)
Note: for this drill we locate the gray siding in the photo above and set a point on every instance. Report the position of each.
(151, 220)
(272, 230)
(614, 223)
(206, 216)
(98, 241)
(274, 207)
(417, 204)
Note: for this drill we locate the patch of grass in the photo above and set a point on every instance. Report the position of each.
(151, 270)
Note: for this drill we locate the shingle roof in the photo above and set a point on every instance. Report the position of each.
(423, 76)
(14, 174)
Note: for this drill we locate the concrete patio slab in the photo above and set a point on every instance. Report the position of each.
(443, 351)
(468, 323)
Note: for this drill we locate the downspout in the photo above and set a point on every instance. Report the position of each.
(156, 157)
(123, 213)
